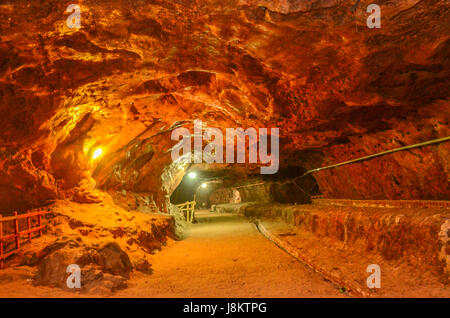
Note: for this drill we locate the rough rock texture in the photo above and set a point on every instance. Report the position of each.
(113, 260)
(137, 69)
(256, 190)
(179, 221)
(224, 195)
(348, 267)
(107, 242)
(412, 236)
(107, 268)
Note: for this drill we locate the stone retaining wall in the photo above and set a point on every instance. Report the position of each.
(416, 236)
(383, 203)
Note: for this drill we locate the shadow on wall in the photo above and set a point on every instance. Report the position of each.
(225, 195)
(299, 191)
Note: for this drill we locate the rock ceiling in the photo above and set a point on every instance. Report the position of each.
(136, 69)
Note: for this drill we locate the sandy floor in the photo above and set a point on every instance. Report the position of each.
(223, 256)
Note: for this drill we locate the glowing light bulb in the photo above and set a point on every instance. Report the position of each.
(192, 175)
(204, 185)
(97, 153)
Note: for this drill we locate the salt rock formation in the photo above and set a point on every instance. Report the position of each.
(136, 70)
(110, 259)
(108, 244)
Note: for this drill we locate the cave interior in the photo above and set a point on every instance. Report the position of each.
(88, 116)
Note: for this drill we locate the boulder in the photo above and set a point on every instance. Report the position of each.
(105, 269)
(142, 265)
(112, 259)
(29, 259)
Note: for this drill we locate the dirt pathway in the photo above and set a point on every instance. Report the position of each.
(225, 256)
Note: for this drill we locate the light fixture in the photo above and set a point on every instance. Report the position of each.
(204, 185)
(192, 175)
(97, 153)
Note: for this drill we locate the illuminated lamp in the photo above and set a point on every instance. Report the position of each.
(192, 175)
(97, 153)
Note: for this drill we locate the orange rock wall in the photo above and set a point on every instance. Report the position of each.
(135, 70)
(406, 235)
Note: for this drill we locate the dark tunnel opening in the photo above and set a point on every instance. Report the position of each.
(190, 187)
(199, 185)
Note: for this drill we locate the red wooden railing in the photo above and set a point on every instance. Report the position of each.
(18, 233)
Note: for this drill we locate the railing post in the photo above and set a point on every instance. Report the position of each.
(16, 231)
(188, 216)
(39, 225)
(29, 226)
(1, 242)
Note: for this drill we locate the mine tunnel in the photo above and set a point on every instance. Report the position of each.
(224, 149)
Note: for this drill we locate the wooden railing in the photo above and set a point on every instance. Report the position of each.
(16, 236)
(189, 208)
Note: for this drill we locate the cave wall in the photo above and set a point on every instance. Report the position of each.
(136, 70)
(420, 173)
(282, 191)
(225, 195)
(415, 236)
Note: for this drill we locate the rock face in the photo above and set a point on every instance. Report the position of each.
(136, 70)
(102, 270)
(113, 260)
(105, 241)
(400, 236)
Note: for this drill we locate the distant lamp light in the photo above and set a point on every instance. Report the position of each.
(204, 185)
(192, 175)
(97, 153)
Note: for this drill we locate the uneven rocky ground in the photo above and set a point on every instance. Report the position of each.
(223, 256)
(107, 242)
